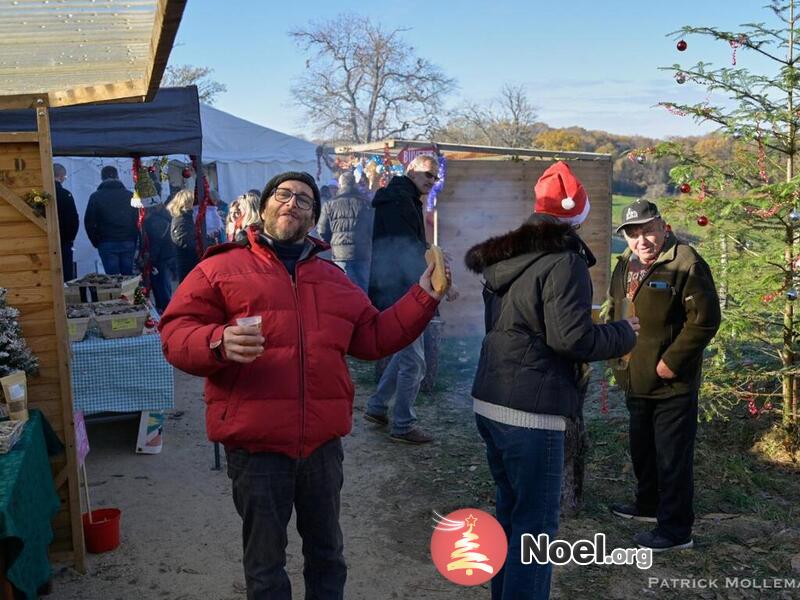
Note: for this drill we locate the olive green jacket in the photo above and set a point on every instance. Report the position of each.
(678, 310)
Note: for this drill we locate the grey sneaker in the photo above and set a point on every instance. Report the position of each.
(658, 543)
(381, 420)
(631, 511)
(415, 436)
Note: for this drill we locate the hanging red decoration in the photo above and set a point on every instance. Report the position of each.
(682, 45)
(736, 44)
(702, 220)
(685, 188)
(144, 254)
(187, 172)
(151, 169)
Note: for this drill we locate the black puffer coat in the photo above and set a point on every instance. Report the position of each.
(346, 224)
(538, 299)
(109, 215)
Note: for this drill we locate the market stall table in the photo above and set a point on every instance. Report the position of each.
(28, 502)
(122, 375)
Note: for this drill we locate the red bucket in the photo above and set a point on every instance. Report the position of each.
(102, 535)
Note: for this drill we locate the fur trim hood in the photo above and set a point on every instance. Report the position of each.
(503, 258)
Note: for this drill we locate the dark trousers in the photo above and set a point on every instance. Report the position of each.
(160, 283)
(265, 488)
(662, 434)
(66, 261)
(527, 467)
(117, 257)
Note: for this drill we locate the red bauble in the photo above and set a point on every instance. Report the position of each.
(702, 220)
(682, 45)
(149, 323)
(151, 169)
(685, 188)
(187, 172)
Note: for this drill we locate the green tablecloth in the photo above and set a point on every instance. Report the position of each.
(28, 503)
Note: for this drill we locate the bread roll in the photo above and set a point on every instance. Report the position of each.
(439, 279)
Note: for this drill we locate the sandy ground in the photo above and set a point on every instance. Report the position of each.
(181, 533)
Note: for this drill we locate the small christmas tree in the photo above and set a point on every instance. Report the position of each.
(15, 355)
(745, 195)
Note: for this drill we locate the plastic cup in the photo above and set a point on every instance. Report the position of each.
(249, 321)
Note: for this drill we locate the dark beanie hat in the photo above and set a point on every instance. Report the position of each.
(302, 176)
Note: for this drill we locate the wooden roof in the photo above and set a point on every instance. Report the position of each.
(80, 51)
(469, 151)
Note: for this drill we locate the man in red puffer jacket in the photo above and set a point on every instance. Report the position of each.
(279, 396)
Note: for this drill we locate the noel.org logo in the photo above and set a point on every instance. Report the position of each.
(468, 546)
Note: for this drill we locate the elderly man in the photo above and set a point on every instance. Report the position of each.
(278, 393)
(672, 291)
(398, 259)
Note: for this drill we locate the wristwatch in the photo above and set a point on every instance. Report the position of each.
(216, 349)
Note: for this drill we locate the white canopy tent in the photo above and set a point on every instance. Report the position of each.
(243, 155)
(248, 155)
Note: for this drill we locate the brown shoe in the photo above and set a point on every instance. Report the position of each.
(381, 420)
(415, 436)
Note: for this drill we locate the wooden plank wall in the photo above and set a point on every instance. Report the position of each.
(485, 198)
(30, 268)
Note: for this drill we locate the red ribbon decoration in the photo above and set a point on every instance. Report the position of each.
(199, 224)
(144, 254)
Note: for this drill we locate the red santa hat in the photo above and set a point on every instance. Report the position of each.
(560, 194)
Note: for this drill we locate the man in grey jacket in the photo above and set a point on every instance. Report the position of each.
(346, 224)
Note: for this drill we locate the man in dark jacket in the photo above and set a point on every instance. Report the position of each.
(398, 259)
(68, 220)
(539, 331)
(346, 224)
(111, 223)
(279, 394)
(673, 293)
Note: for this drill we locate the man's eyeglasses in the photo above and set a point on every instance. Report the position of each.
(302, 201)
(430, 175)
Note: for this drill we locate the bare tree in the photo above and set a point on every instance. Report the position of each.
(364, 83)
(509, 121)
(183, 75)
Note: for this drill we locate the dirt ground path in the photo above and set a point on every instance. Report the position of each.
(180, 532)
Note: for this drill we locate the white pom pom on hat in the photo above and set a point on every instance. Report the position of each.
(560, 194)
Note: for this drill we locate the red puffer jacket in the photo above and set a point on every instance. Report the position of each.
(298, 394)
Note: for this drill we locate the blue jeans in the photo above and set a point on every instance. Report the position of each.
(401, 380)
(266, 486)
(526, 465)
(357, 271)
(117, 257)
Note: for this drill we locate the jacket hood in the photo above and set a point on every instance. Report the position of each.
(398, 186)
(503, 258)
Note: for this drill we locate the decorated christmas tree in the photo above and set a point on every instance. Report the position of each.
(740, 195)
(15, 355)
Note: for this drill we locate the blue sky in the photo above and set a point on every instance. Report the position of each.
(588, 63)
